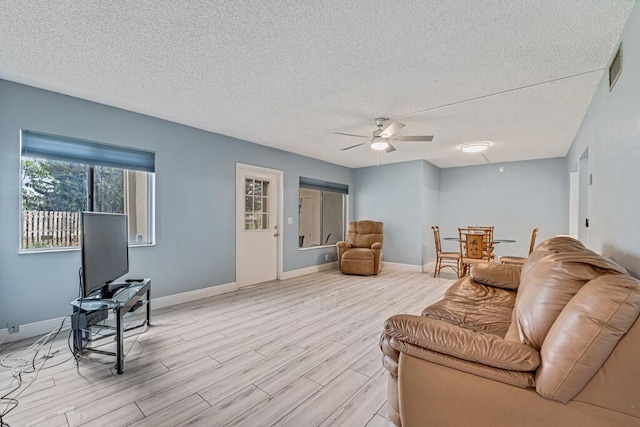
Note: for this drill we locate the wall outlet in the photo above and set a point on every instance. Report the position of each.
(326, 257)
(13, 328)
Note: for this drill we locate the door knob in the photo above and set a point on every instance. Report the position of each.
(276, 235)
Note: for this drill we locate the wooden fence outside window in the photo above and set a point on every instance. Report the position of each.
(50, 229)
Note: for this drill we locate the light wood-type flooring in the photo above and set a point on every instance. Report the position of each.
(299, 352)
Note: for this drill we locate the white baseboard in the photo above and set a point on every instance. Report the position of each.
(189, 296)
(429, 266)
(400, 266)
(30, 330)
(35, 329)
(308, 270)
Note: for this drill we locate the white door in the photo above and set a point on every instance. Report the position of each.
(257, 225)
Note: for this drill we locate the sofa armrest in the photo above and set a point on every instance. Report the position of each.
(466, 344)
(503, 276)
(514, 378)
(376, 248)
(342, 247)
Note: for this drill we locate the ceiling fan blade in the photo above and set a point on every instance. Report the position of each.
(351, 134)
(353, 146)
(424, 138)
(391, 129)
(390, 148)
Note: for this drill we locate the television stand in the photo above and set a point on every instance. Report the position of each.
(94, 308)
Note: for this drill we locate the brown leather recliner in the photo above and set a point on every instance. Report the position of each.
(362, 252)
(553, 343)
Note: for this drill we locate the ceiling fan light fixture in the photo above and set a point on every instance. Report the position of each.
(380, 145)
(474, 147)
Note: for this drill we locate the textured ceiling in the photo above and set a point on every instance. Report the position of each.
(288, 74)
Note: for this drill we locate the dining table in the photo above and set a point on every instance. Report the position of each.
(496, 241)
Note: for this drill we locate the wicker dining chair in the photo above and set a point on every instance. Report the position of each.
(518, 260)
(489, 239)
(473, 248)
(444, 259)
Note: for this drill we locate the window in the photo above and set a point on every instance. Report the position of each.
(63, 176)
(257, 196)
(321, 211)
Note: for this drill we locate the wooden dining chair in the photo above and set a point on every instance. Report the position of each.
(444, 259)
(518, 260)
(473, 248)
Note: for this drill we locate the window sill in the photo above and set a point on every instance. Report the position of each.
(317, 247)
(71, 249)
(47, 250)
(140, 245)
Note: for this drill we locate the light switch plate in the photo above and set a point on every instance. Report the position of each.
(289, 220)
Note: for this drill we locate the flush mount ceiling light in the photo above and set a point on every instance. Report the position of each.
(380, 145)
(474, 147)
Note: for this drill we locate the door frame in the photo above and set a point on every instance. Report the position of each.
(279, 208)
(584, 184)
(574, 209)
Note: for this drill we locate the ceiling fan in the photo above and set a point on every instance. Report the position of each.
(381, 138)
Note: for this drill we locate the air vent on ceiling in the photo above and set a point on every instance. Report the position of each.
(615, 69)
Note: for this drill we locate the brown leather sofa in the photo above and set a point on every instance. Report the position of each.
(361, 253)
(555, 342)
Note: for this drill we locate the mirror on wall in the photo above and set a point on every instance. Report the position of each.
(321, 216)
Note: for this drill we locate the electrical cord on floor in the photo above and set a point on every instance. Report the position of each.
(77, 357)
(22, 365)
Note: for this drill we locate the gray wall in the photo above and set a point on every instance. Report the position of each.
(525, 195)
(411, 197)
(195, 201)
(404, 196)
(430, 209)
(611, 132)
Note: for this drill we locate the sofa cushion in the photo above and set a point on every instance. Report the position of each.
(363, 234)
(358, 253)
(547, 285)
(553, 245)
(585, 333)
(497, 275)
(475, 306)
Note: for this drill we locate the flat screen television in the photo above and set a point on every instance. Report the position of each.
(105, 251)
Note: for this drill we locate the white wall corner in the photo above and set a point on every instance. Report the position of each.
(308, 270)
